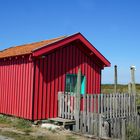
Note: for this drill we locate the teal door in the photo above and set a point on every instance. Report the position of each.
(71, 83)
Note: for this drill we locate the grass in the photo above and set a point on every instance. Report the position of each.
(20, 129)
(109, 88)
(24, 125)
(5, 120)
(132, 132)
(17, 136)
(19, 124)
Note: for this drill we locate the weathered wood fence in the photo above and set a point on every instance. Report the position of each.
(100, 114)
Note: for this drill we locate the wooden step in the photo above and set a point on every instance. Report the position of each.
(61, 121)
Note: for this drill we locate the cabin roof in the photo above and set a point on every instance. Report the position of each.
(26, 48)
(45, 46)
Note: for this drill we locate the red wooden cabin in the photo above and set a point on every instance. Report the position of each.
(31, 75)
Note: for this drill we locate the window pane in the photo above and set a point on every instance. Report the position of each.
(71, 83)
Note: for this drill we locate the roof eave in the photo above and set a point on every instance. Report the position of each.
(78, 36)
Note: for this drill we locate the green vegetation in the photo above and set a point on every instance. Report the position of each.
(5, 120)
(23, 125)
(109, 88)
(19, 124)
(17, 136)
(132, 132)
(20, 129)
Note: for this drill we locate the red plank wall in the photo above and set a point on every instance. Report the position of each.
(16, 87)
(50, 78)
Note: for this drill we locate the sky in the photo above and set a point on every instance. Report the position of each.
(112, 26)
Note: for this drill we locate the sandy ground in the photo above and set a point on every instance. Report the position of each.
(58, 134)
(5, 138)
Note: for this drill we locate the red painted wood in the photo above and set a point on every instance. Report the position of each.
(62, 61)
(11, 91)
(0, 88)
(18, 90)
(31, 89)
(23, 88)
(63, 68)
(21, 96)
(56, 85)
(4, 88)
(14, 89)
(68, 40)
(60, 66)
(40, 88)
(52, 84)
(44, 88)
(2, 74)
(36, 90)
(9, 87)
(76, 60)
(48, 86)
(70, 59)
(12, 83)
(28, 89)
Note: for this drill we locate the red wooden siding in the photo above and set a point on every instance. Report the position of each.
(29, 84)
(16, 87)
(50, 72)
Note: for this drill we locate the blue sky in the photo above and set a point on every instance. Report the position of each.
(112, 26)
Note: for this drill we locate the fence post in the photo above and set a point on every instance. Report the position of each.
(129, 88)
(123, 131)
(84, 108)
(115, 79)
(132, 68)
(77, 98)
(100, 125)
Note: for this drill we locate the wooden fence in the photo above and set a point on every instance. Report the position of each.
(100, 114)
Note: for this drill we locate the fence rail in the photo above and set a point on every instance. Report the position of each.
(100, 114)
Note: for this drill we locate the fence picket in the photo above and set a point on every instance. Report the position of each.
(110, 101)
(68, 106)
(113, 107)
(88, 113)
(84, 113)
(92, 109)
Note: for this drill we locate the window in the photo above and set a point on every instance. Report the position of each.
(71, 82)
